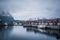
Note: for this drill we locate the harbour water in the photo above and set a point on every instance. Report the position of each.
(26, 33)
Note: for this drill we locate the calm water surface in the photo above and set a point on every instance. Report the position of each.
(23, 33)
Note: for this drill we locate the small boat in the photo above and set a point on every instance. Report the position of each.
(41, 26)
(33, 26)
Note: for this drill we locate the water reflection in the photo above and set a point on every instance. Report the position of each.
(5, 32)
(27, 33)
(53, 33)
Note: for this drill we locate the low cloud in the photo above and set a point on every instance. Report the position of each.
(25, 9)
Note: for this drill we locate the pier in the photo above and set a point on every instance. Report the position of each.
(42, 23)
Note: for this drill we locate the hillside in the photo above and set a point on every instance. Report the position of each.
(6, 17)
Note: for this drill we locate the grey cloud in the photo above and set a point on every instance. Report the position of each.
(31, 8)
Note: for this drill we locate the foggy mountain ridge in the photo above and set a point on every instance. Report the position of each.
(3, 13)
(6, 17)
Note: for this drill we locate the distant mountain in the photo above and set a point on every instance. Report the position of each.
(6, 17)
(19, 21)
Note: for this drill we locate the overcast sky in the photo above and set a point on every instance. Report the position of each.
(25, 9)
